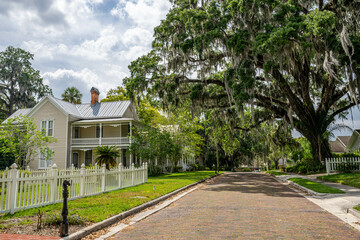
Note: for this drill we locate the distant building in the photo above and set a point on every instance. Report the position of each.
(340, 144)
(354, 142)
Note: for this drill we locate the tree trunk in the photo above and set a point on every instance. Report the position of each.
(319, 145)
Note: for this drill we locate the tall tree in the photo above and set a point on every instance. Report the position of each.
(299, 60)
(20, 85)
(72, 95)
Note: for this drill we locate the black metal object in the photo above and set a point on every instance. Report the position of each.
(64, 226)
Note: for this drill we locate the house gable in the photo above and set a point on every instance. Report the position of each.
(50, 112)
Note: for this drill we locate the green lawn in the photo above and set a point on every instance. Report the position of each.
(351, 179)
(277, 173)
(316, 187)
(99, 207)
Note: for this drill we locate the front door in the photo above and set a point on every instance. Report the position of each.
(75, 159)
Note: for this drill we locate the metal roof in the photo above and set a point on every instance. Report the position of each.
(66, 106)
(103, 110)
(19, 112)
(86, 111)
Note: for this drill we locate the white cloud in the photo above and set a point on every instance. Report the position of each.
(136, 36)
(147, 14)
(81, 43)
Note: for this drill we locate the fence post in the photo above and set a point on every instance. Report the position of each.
(82, 180)
(146, 171)
(120, 174)
(12, 190)
(143, 172)
(132, 174)
(327, 164)
(53, 183)
(28, 168)
(103, 177)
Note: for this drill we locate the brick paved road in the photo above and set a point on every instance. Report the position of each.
(241, 206)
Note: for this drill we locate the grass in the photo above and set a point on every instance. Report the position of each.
(316, 187)
(350, 179)
(99, 207)
(277, 173)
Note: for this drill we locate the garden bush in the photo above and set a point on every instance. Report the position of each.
(201, 167)
(155, 171)
(246, 169)
(56, 219)
(194, 167)
(306, 165)
(177, 169)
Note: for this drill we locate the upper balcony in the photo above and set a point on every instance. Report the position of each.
(101, 134)
(100, 141)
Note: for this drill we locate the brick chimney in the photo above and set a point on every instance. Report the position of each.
(94, 95)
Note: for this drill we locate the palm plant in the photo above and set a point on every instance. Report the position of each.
(106, 155)
(72, 95)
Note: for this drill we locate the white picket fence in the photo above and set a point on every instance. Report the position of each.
(334, 164)
(21, 190)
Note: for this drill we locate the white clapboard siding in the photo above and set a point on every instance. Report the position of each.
(22, 190)
(333, 164)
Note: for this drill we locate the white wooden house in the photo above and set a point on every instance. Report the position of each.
(80, 128)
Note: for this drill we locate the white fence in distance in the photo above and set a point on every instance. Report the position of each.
(22, 190)
(335, 164)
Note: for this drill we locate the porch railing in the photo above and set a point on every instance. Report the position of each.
(100, 141)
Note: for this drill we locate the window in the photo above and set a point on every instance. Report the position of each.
(76, 132)
(45, 158)
(98, 131)
(47, 127)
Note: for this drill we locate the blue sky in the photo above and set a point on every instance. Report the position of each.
(81, 43)
(86, 43)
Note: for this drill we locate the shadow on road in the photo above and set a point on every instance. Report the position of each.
(257, 183)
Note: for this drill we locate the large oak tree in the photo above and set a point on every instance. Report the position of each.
(298, 60)
(20, 84)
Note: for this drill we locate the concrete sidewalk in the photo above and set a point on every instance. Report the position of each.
(241, 206)
(341, 205)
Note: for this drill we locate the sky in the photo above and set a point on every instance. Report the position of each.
(81, 43)
(87, 43)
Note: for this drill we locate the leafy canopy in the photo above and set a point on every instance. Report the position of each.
(20, 84)
(298, 61)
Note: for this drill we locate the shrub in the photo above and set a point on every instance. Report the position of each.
(246, 169)
(302, 169)
(306, 165)
(201, 167)
(155, 171)
(177, 169)
(194, 167)
(56, 219)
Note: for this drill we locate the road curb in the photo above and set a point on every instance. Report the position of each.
(107, 222)
(354, 212)
(309, 191)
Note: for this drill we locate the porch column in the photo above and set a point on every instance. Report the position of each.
(130, 141)
(120, 133)
(100, 134)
